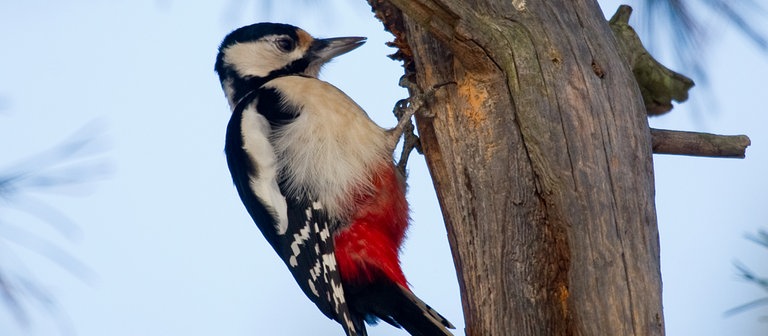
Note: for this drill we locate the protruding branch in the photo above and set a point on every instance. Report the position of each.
(658, 85)
(699, 144)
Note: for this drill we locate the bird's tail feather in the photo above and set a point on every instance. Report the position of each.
(419, 318)
(399, 307)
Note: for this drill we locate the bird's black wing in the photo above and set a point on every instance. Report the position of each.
(307, 249)
(241, 168)
(306, 246)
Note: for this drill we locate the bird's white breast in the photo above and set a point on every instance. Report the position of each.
(331, 149)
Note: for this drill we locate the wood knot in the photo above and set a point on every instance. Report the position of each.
(554, 56)
(598, 70)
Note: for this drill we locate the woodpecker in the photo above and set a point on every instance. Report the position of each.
(316, 175)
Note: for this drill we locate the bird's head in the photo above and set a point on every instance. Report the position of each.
(255, 54)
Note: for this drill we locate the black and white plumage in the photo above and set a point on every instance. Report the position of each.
(316, 175)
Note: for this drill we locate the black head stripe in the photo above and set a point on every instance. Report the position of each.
(296, 67)
(258, 30)
(242, 86)
(273, 107)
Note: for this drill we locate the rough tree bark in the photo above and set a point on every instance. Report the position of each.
(541, 157)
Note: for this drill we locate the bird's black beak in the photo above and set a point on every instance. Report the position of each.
(324, 50)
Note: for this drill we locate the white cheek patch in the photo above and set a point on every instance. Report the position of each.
(260, 152)
(259, 58)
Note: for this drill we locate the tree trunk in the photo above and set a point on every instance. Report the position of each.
(541, 157)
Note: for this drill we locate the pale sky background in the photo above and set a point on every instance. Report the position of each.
(171, 251)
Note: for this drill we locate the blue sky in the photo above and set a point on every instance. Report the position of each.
(169, 248)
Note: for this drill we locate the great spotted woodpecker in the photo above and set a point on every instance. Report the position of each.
(317, 177)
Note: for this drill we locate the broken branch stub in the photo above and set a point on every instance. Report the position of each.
(658, 84)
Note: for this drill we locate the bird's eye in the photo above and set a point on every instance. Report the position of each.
(285, 44)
